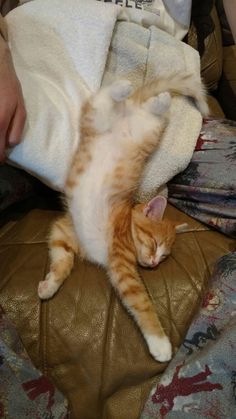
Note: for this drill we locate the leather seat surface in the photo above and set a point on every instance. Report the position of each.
(83, 338)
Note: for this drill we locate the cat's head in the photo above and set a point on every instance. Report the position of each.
(153, 236)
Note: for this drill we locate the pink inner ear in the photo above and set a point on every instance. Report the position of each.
(155, 208)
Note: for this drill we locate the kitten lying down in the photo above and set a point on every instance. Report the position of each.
(119, 129)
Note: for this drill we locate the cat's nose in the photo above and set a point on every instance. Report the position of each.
(154, 262)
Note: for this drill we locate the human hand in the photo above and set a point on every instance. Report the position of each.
(12, 108)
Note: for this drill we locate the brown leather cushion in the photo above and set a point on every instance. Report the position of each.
(215, 109)
(227, 37)
(227, 87)
(83, 338)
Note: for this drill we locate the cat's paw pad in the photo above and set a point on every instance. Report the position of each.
(159, 104)
(48, 287)
(159, 347)
(120, 90)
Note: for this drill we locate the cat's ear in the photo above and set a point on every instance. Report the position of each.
(155, 208)
(181, 228)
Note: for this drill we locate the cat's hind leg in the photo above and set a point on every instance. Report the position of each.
(63, 246)
(158, 105)
(135, 298)
(120, 90)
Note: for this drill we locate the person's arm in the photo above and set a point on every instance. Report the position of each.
(12, 109)
(230, 11)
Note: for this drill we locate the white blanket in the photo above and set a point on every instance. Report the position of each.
(62, 52)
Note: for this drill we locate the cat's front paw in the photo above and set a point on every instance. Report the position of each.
(159, 347)
(48, 287)
(120, 90)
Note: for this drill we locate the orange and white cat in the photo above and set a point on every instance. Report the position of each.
(119, 129)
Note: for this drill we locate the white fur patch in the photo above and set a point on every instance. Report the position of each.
(47, 288)
(89, 205)
(159, 347)
(58, 253)
(161, 253)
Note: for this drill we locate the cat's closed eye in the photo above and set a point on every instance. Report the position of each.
(153, 245)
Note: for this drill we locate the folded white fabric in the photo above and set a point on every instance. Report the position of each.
(171, 16)
(62, 52)
(59, 51)
(140, 55)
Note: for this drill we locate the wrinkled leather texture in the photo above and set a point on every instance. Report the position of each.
(83, 338)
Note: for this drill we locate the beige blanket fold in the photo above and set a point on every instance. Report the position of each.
(62, 52)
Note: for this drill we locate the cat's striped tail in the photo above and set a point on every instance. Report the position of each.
(176, 84)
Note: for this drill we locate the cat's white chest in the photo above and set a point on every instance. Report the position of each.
(90, 203)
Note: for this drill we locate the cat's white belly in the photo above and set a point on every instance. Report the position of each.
(90, 223)
(89, 206)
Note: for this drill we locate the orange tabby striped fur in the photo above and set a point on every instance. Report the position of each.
(119, 129)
